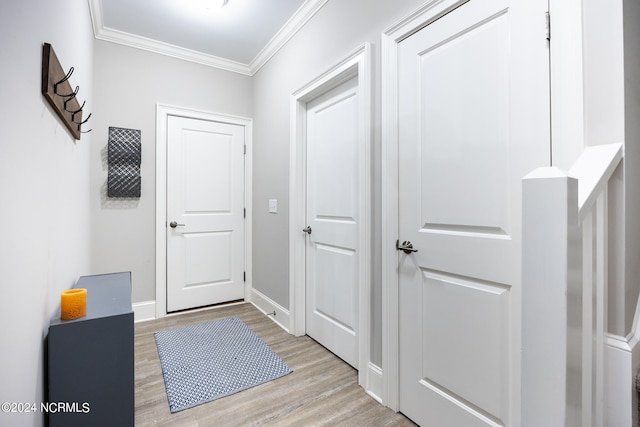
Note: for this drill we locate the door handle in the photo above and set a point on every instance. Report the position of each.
(307, 229)
(174, 224)
(407, 247)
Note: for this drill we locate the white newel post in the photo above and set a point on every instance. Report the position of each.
(551, 300)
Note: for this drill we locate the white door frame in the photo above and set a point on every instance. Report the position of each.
(358, 63)
(163, 112)
(567, 115)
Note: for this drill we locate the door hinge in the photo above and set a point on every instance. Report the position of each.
(245, 213)
(547, 17)
(244, 276)
(245, 149)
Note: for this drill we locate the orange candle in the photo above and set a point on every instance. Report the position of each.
(73, 304)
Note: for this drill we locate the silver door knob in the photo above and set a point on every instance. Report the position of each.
(406, 247)
(307, 229)
(174, 224)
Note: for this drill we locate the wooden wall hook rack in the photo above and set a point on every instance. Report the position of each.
(56, 88)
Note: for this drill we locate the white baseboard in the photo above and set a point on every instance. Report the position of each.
(143, 311)
(146, 310)
(374, 382)
(267, 306)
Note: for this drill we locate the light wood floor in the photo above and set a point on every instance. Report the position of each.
(321, 391)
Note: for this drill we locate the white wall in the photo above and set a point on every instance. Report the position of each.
(129, 83)
(631, 37)
(340, 27)
(44, 188)
(612, 108)
(605, 94)
(631, 11)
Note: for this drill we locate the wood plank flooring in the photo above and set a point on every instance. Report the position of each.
(322, 390)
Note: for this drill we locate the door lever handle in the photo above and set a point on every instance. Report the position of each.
(407, 247)
(174, 224)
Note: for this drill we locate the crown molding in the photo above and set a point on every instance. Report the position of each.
(290, 28)
(138, 42)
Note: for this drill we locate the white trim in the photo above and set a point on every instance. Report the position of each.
(414, 21)
(155, 46)
(268, 306)
(621, 367)
(389, 233)
(374, 382)
(162, 114)
(143, 311)
(290, 28)
(634, 336)
(622, 362)
(293, 25)
(593, 169)
(358, 63)
(621, 343)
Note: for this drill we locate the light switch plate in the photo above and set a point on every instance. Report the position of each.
(273, 206)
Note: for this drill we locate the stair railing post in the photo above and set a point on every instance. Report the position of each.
(551, 300)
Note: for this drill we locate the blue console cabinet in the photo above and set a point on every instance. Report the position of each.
(90, 359)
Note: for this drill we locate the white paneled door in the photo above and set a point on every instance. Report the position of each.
(332, 221)
(473, 117)
(205, 213)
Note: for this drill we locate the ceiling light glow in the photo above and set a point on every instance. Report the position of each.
(203, 10)
(214, 4)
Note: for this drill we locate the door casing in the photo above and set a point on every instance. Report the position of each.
(358, 63)
(162, 114)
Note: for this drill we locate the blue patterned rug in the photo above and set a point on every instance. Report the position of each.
(204, 362)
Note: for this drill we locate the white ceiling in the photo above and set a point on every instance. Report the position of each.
(239, 37)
